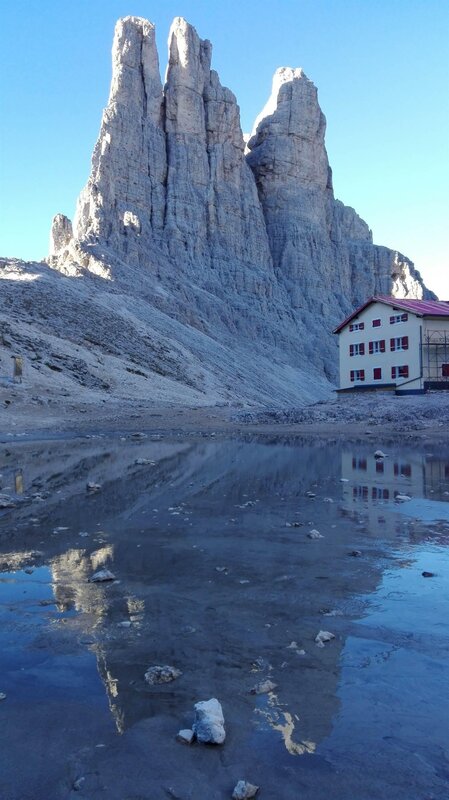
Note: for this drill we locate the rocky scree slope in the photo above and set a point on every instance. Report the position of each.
(196, 270)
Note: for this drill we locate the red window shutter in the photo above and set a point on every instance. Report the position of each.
(405, 342)
(351, 328)
(362, 374)
(445, 370)
(377, 373)
(382, 346)
(393, 372)
(352, 375)
(362, 349)
(371, 347)
(392, 344)
(351, 349)
(405, 372)
(362, 326)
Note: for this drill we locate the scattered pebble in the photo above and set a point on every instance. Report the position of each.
(143, 461)
(314, 534)
(186, 736)
(402, 498)
(29, 570)
(125, 624)
(2, 696)
(322, 637)
(327, 500)
(310, 494)
(163, 674)
(77, 785)
(355, 553)
(428, 574)
(244, 790)
(379, 454)
(93, 487)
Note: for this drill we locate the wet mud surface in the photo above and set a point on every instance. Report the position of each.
(216, 575)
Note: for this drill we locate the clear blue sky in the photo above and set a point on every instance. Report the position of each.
(381, 68)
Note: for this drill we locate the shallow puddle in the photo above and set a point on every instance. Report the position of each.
(216, 574)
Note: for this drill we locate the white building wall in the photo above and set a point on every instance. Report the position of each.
(385, 361)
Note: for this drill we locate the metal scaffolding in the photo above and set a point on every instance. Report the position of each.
(435, 358)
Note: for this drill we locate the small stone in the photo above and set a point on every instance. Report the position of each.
(355, 553)
(93, 487)
(310, 494)
(77, 785)
(335, 612)
(264, 687)
(101, 576)
(6, 502)
(379, 454)
(186, 736)
(327, 500)
(125, 624)
(314, 534)
(322, 637)
(402, 498)
(244, 790)
(160, 674)
(220, 569)
(344, 480)
(209, 722)
(2, 696)
(428, 574)
(141, 461)
(29, 570)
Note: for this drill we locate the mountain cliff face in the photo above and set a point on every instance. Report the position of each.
(245, 256)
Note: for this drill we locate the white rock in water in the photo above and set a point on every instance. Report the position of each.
(6, 502)
(209, 722)
(402, 498)
(379, 454)
(323, 636)
(186, 735)
(141, 461)
(314, 534)
(163, 674)
(2, 696)
(244, 790)
(264, 687)
(102, 575)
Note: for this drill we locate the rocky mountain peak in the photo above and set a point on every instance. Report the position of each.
(242, 263)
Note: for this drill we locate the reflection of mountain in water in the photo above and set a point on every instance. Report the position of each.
(165, 527)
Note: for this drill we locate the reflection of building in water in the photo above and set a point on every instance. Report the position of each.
(374, 482)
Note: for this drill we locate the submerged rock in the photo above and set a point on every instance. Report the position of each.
(101, 576)
(379, 454)
(264, 687)
(314, 534)
(209, 722)
(160, 674)
(244, 790)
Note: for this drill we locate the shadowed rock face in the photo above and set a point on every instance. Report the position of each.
(248, 260)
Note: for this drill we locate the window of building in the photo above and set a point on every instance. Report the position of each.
(379, 465)
(357, 375)
(357, 349)
(399, 343)
(403, 469)
(445, 370)
(377, 347)
(395, 318)
(399, 372)
(377, 374)
(357, 326)
(358, 463)
(377, 323)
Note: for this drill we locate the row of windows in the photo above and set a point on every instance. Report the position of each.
(396, 343)
(396, 372)
(376, 323)
(377, 493)
(405, 470)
